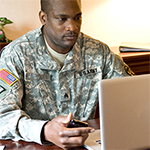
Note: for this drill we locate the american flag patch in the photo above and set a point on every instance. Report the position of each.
(7, 77)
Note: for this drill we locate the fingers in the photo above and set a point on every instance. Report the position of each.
(76, 131)
(56, 131)
(73, 142)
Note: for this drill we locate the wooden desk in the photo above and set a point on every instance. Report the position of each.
(21, 145)
(139, 62)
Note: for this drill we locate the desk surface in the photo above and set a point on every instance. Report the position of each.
(21, 145)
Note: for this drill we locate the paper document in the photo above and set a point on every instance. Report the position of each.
(2, 147)
(93, 142)
(134, 47)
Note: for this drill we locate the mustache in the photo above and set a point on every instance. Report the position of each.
(71, 34)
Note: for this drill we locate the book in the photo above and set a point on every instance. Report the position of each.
(134, 47)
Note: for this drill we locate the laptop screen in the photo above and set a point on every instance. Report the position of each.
(125, 112)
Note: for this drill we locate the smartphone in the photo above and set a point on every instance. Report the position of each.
(77, 123)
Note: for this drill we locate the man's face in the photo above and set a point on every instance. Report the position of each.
(63, 24)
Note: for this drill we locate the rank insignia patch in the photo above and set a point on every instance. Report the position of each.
(2, 89)
(7, 77)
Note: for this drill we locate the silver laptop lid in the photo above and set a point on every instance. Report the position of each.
(125, 113)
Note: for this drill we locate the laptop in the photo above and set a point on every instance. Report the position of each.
(124, 114)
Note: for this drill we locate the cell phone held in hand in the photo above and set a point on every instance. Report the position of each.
(77, 123)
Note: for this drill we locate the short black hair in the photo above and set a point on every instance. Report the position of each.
(46, 6)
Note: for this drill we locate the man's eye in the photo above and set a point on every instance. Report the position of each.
(78, 18)
(62, 19)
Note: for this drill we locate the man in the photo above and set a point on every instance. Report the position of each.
(50, 75)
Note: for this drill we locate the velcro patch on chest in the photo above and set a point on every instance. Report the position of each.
(7, 77)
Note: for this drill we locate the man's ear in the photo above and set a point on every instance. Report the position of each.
(43, 17)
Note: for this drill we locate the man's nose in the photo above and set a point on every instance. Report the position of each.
(72, 25)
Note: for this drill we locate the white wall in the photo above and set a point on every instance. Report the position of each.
(111, 21)
(115, 21)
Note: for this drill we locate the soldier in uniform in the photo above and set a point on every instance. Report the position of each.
(49, 76)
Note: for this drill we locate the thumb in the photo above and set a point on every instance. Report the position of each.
(68, 118)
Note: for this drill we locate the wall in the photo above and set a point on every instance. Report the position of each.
(111, 21)
(23, 13)
(116, 21)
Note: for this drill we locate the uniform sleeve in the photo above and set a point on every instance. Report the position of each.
(15, 124)
(114, 65)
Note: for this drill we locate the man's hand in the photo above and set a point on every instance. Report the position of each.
(56, 131)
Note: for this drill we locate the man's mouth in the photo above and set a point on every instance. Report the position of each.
(71, 36)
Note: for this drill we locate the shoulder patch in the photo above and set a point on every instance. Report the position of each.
(7, 77)
(129, 71)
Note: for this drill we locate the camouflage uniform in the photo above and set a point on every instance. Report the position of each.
(37, 89)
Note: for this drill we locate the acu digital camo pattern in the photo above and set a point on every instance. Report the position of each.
(44, 90)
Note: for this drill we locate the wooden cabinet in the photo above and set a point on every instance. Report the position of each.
(139, 62)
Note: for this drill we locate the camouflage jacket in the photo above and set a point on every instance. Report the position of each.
(35, 89)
